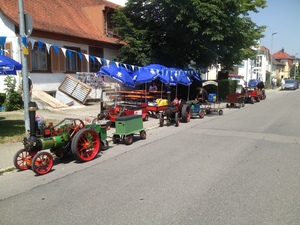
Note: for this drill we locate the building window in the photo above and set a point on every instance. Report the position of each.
(109, 27)
(72, 59)
(39, 58)
(96, 52)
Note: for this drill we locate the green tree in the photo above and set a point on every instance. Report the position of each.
(13, 100)
(174, 32)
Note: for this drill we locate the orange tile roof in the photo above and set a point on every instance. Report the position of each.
(64, 17)
(281, 55)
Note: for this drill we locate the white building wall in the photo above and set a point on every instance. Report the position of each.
(7, 30)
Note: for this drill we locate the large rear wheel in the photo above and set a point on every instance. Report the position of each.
(42, 163)
(185, 113)
(85, 145)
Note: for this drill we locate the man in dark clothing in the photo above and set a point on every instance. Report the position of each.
(260, 86)
(202, 95)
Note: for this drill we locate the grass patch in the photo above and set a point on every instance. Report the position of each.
(12, 128)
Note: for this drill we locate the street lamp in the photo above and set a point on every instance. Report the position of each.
(295, 67)
(272, 57)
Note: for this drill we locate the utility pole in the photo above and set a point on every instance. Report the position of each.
(24, 64)
(272, 58)
(295, 66)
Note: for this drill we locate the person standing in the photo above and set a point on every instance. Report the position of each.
(273, 82)
(282, 83)
(202, 95)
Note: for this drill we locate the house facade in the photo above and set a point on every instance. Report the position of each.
(284, 63)
(68, 37)
(261, 67)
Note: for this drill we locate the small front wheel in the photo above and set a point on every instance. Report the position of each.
(22, 159)
(220, 112)
(201, 114)
(42, 163)
(129, 139)
(116, 139)
(143, 135)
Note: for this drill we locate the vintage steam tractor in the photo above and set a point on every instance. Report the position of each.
(71, 137)
(177, 110)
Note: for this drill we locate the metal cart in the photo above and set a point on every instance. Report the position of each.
(126, 127)
(235, 100)
(212, 105)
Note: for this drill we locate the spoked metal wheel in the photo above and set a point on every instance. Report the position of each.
(85, 145)
(161, 119)
(76, 126)
(129, 139)
(176, 119)
(22, 159)
(42, 163)
(186, 113)
(143, 135)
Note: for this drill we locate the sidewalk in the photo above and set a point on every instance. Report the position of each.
(90, 111)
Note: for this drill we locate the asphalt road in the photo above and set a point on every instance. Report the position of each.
(239, 168)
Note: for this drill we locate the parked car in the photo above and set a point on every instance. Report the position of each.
(253, 83)
(290, 84)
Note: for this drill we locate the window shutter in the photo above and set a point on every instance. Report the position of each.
(8, 49)
(84, 62)
(58, 61)
(54, 60)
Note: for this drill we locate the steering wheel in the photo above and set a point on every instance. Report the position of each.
(77, 124)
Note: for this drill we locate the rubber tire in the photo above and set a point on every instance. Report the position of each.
(220, 112)
(176, 119)
(143, 135)
(161, 119)
(79, 147)
(252, 100)
(37, 164)
(22, 159)
(201, 114)
(185, 113)
(129, 139)
(116, 139)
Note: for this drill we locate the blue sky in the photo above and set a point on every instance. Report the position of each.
(281, 16)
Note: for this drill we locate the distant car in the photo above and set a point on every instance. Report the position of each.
(253, 82)
(240, 81)
(290, 84)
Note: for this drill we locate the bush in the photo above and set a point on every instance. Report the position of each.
(2, 98)
(13, 100)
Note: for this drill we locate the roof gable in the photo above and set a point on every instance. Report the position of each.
(281, 55)
(67, 17)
